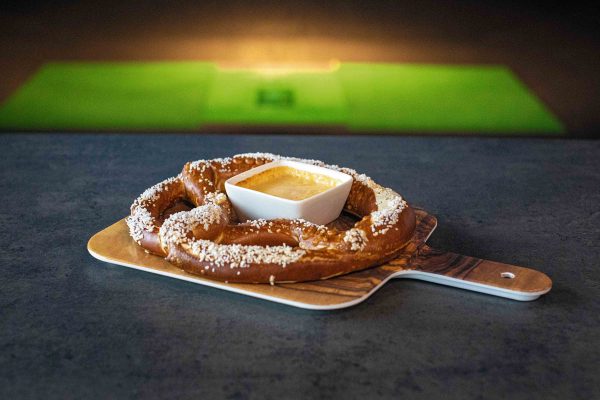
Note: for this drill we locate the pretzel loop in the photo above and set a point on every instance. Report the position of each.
(189, 220)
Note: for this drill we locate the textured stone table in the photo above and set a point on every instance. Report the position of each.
(74, 327)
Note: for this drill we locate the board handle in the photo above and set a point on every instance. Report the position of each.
(478, 275)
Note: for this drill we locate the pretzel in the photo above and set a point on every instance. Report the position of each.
(189, 220)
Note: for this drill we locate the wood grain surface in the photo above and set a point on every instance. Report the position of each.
(417, 261)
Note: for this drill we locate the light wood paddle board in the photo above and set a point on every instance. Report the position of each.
(418, 261)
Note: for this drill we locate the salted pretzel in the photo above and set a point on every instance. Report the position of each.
(189, 220)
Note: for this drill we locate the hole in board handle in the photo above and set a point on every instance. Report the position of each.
(507, 275)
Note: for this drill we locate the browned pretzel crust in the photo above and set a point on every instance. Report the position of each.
(189, 220)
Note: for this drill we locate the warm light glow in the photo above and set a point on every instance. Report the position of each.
(281, 68)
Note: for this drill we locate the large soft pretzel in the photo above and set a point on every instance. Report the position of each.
(189, 220)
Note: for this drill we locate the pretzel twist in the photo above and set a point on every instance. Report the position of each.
(189, 220)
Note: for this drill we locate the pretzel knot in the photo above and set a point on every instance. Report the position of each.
(189, 220)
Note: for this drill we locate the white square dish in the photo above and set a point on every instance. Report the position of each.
(321, 208)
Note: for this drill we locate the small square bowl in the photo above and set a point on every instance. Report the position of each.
(321, 208)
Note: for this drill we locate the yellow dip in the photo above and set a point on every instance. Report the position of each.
(289, 183)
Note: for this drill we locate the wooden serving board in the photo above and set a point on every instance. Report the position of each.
(418, 261)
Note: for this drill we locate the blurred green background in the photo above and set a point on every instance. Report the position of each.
(353, 97)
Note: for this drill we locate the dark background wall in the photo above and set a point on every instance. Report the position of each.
(553, 49)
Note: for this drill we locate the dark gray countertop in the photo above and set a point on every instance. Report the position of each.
(74, 327)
